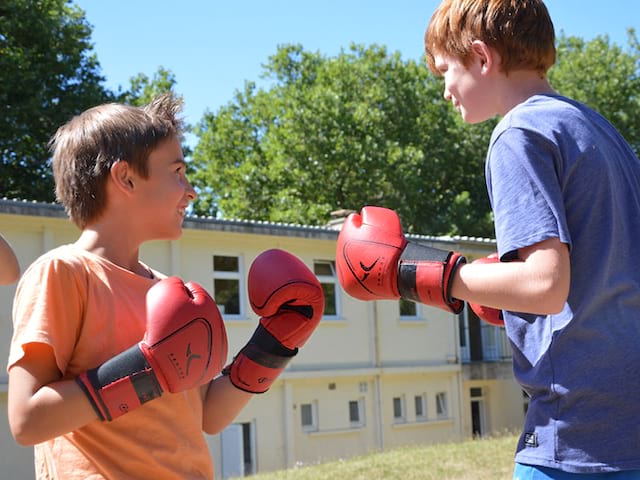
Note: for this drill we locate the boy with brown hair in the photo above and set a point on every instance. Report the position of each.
(565, 192)
(113, 367)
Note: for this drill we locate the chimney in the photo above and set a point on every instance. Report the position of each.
(338, 217)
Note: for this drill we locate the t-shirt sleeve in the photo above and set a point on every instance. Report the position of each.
(525, 190)
(48, 308)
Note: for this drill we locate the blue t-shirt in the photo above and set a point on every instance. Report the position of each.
(557, 169)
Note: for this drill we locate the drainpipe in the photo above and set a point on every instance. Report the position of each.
(288, 424)
(337, 220)
(377, 390)
(458, 353)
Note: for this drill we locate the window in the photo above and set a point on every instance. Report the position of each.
(475, 392)
(326, 272)
(462, 329)
(421, 407)
(227, 288)
(408, 308)
(441, 405)
(308, 417)
(398, 409)
(356, 413)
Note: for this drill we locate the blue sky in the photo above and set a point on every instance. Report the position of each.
(213, 46)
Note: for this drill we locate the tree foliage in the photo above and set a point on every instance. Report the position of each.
(604, 76)
(48, 73)
(143, 89)
(364, 127)
(320, 133)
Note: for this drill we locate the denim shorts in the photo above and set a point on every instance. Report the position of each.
(529, 472)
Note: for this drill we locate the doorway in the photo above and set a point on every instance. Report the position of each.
(238, 450)
(477, 412)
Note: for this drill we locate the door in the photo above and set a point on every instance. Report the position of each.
(232, 451)
(477, 420)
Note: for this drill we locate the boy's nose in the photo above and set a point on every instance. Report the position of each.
(191, 192)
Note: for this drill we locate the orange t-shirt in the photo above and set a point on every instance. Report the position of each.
(88, 310)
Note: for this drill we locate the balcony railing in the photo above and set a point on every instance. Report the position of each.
(484, 343)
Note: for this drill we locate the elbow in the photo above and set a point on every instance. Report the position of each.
(22, 434)
(26, 428)
(213, 428)
(213, 424)
(551, 298)
(23, 441)
(554, 306)
(28, 437)
(547, 269)
(16, 273)
(212, 431)
(9, 277)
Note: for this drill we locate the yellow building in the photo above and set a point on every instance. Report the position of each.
(375, 375)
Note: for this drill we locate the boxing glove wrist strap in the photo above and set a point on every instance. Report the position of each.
(259, 363)
(424, 275)
(120, 384)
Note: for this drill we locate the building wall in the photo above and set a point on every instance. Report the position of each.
(367, 353)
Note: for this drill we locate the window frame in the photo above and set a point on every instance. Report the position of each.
(400, 402)
(360, 421)
(422, 400)
(313, 426)
(332, 280)
(409, 318)
(226, 275)
(442, 407)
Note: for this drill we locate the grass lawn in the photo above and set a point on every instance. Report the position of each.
(486, 459)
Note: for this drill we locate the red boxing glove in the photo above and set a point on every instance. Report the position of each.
(375, 261)
(290, 300)
(185, 346)
(491, 315)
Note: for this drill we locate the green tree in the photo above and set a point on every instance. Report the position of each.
(364, 127)
(604, 76)
(143, 89)
(48, 72)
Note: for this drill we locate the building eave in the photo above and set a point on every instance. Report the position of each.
(255, 227)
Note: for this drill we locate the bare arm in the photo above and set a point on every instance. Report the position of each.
(41, 405)
(9, 267)
(223, 402)
(538, 284)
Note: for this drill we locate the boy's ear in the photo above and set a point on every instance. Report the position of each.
(484, 54)
(121, 175)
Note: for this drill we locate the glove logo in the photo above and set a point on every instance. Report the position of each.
(190, 356)
(367, 269)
